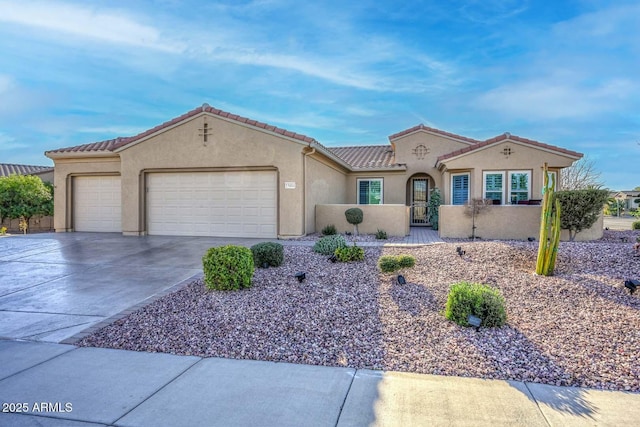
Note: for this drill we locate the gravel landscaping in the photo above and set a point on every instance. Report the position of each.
(580, 327)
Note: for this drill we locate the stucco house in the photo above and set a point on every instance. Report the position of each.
(44, 172)
(213, 173)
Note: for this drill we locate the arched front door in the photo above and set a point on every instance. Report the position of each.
(419, 200)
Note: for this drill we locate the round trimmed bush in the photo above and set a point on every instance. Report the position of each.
(327, 245)
(388, 264)
(635, 225)
(354, 216)
(228, 268)
(270, 253)
(483, 301)
(406, 261)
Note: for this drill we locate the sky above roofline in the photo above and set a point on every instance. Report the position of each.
(562, 73)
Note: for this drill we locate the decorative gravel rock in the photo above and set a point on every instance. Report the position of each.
(578, 328)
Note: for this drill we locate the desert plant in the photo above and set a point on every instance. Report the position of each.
(3, 231)
(268, 253)
(329, 230)
(434, 203)
(635, 225)
(406, 261)
(549, 228)
(327, 245)
(354, 217)
(228, 268)
(381, 234)
(390, 263)
(349, 253)
(480, 300)
(580, 209)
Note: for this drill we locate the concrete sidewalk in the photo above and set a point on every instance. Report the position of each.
(62, 385)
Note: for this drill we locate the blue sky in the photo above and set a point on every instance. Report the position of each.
(565, 73)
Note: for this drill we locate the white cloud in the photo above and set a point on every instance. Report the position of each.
(85, 22)
(550, 99)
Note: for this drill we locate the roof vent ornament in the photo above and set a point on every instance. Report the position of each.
(421, 151)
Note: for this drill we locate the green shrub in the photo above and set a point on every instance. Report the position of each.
(228, 268)
(349, 253)
(388, 264)
(580, 209)
(328, 244)
(329, 230)
(635, 225)
(270, 253)
(480, 300)
(406, 261)
(381, 234)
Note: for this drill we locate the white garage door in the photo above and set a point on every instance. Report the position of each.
(226, 204)
(97, 203)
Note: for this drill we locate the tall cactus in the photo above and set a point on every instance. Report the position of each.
(549, 228)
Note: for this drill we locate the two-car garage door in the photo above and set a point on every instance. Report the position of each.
(226, 204)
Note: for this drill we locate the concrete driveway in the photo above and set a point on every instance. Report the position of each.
(55, 285)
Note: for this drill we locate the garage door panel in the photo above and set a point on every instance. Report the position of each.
(97, 204)
(226, 204)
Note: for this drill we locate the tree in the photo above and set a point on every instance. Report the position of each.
(580, 175)
(23, 197)
(474, 208)
(354, 216)
(580, 209)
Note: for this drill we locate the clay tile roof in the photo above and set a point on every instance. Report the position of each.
(107, 145)
(113, 144)
(366, 156)
(7, 169)
(433, 130)
(504, 137)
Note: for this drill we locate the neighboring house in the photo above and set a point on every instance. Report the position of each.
(630, 198)
(213, 173)
(44, 172)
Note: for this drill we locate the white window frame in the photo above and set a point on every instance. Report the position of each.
(380, 180)
(510, 175)
(453, 175)
(484, 184)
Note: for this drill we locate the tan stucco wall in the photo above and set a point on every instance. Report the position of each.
(394, 219)
(326, 184)
(503, 223)
(393, 189)
(229, 145)
(437, 146)
(46, 176)
(64, 171)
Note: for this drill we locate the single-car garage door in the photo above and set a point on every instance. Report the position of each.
(225, 204)
(97, 203)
